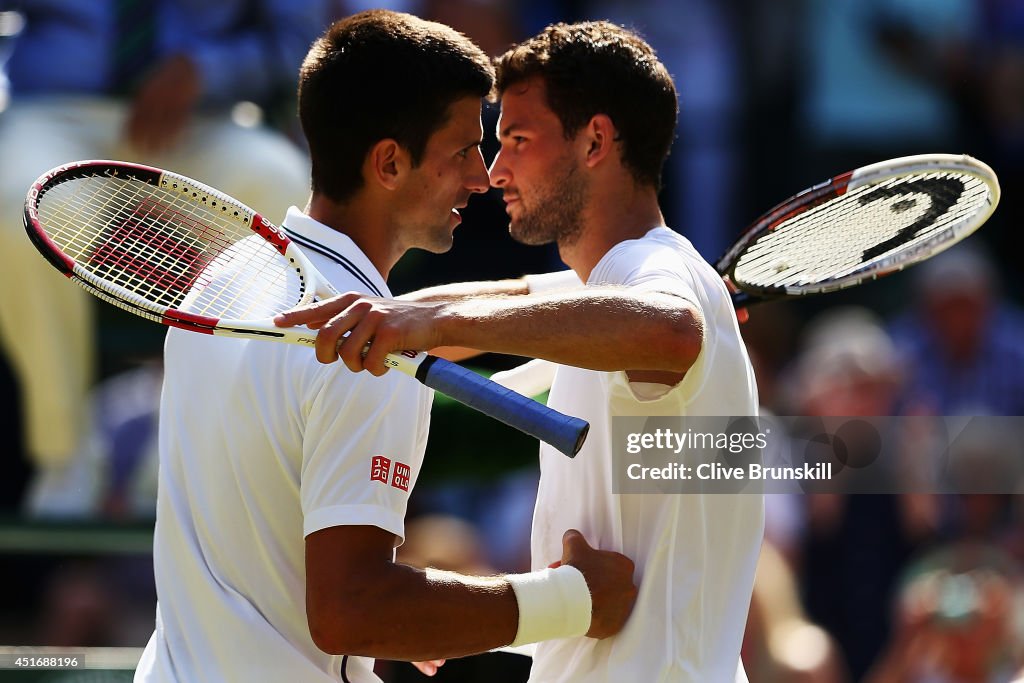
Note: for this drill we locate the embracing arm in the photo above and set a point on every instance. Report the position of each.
(600, 329)
(457, 291)
(461, 291)
(596, 328)
(360, 602)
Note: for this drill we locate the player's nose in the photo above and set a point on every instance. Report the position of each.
(477, 179)
(500, 173)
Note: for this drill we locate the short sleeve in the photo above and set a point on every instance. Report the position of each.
(552, 282)
(653, 266)
(362, 450)
(646, 267)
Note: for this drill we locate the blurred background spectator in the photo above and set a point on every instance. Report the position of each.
(112, 475)
(774, 95)
(174, 83)
(781, 645)
(961, 339)
(849, 366)
(957, 619)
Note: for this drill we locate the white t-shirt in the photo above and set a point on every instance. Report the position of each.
(261, 445)
(695, 554)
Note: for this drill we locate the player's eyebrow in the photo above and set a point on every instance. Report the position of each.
(508, 130)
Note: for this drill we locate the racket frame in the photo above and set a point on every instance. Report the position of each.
(200, 194)
(838, 186)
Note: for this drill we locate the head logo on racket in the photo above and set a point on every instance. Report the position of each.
(861, 225)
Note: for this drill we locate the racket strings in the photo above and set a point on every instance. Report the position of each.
(118, 231)
(167, 246)
(164, 262)
(862, 228)
(79, 224)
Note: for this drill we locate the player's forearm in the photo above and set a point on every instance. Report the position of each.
(459, 291)
(603, 329)
(408, 614)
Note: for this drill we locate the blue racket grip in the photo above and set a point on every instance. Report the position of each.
(564, 432)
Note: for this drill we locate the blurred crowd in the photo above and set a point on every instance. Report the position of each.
(775, 96)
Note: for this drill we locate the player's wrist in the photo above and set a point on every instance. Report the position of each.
(553, 603)
(458, 323)
(448, 323)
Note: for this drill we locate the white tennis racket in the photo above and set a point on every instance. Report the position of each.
(177, 252)
(860, 226)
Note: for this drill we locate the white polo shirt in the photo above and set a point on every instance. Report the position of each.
(695, 554)
(261, 445)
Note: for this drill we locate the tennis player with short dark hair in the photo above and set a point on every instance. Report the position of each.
(284, 483)
(640, 326)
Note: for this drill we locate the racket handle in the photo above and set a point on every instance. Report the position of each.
(564, 432)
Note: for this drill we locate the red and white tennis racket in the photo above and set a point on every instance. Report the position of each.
(175, 251)
(860, 226)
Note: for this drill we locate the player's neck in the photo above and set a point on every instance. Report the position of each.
(610, 217)
(367, 228)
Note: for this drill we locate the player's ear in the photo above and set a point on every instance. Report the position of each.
(387, 163)
(598, 137)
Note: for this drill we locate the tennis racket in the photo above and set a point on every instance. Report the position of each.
(175, 251)
(860, 226)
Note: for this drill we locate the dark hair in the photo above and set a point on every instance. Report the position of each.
(596, 67)
(376, 75)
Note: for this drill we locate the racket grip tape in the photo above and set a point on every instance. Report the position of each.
(564, 432)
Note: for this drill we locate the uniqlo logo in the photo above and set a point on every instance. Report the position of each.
(380, 468)
(401, 480)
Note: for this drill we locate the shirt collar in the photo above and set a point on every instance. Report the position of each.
(343, 249)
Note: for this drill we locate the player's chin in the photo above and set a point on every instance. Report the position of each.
(525, 234)
(441, 240)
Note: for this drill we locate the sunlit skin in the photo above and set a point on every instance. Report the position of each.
(589, 199)
(542, 184)
(452, 168)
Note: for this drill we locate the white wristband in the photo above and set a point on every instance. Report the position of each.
(552, 282)
(553, 603)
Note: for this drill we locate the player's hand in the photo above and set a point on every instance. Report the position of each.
(163, 105)
(429, 668)
(609, 576)
(386, 325)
